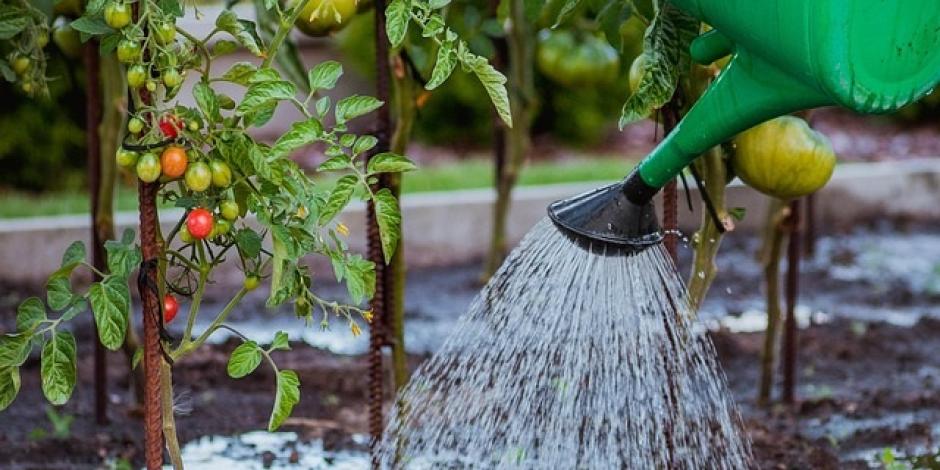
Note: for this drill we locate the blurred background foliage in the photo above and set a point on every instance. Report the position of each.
(580, 92)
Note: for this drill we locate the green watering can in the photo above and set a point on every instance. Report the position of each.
(871, 56)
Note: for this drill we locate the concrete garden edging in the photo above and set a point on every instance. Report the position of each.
(453, 227)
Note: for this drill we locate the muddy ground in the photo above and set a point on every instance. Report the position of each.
(864, 383)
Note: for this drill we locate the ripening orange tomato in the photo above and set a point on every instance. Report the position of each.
(173, 161)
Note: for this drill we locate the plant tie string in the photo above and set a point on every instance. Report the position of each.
(145, 281)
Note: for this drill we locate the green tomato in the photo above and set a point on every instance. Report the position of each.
(128, 51)
(117, 15)
(251, 283)
(321, 17)
(185, 236)
(126, 158)
(68, 41)
(198, 177)
(221, 174)
(42, 39)
(229, 209)
(148, 168)
(221, 227)
(21, 64)
(135, 126)
(164, 32)
(636, 72)
(193, 125)
(151, 86)
(172, 78)
(27, 87)
(136, 76)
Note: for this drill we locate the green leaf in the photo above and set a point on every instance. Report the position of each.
(325, 75)
(12, 21)
(58, 292)
(248, 242)
(280, 342)
(244, 360)
(565, 11)
(240, 30)
(665, 47)
(240, 73)
(14, 349)
(224, 47)
(207, 102)
(9, 385)
(79, 306)
(354, 106)
(390, 163)
(444, 67)
(74, 255)
(138, 355)
(388, 217)
(110, 303)
(93, 26)
(737, 213)
(57, 366)
(339, 162)
(123, 255)
(494, 83)
(300, 134)
(397, 17)
(29, 314)
(360, 278)
(288, 395)
(262, 93)
(364, 143)
(339, 197)
(322, 106)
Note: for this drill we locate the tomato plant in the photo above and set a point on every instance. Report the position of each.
(240, 195)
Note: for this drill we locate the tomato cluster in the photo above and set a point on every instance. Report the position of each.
(162, 65)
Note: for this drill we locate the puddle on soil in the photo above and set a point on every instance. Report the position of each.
(853, 276)
(264, 450)
(839, 428)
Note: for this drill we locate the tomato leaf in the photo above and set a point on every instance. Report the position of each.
(493, 82)
(280, 341)
(224, 47)
(248, 242)
(58, 291)
(364, 143)
(29, 314)
(665, 47)
(244, 360)
(57, 367)
(360, 278)
(300, 134)
(397, 16)
(339, 197)
(239, 29)
(13, 21)
(264, 93)
(74, 255)
(79, 306)
(240, 73)
(288, 395)
(14, 349)
(339, 162)
(9, 385)
(324, 76)
(390, 163)
(90, 26)
(354, 106)
(110, 304)
(207, 101)
(388, 217)
(123, 256)
(444, 67)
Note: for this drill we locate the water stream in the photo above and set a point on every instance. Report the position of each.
(570, 358)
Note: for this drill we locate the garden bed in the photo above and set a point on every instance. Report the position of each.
(869, 370)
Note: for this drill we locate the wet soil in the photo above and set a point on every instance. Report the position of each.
(864, 384)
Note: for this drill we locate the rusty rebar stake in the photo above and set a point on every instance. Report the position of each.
(792, 291)
(93, 112)
(670, 117)
(380, 301)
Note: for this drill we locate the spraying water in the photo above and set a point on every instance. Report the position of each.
(570, 358)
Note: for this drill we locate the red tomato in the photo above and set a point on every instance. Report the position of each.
(199, 223)
(170, 125)
(170, 308)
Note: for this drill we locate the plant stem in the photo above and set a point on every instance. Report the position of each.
(215, 325)
(707, 240)
(283, 30)
(169, 420)
(522, 103)
(775, 236)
